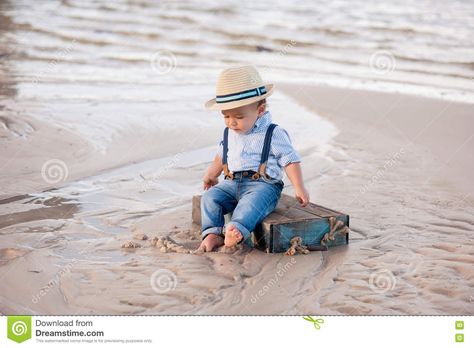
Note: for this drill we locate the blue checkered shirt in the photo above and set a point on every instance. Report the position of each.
(245, 150)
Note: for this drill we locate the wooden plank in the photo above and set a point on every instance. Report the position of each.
(286, 211)
(318, 210)
(327, 210)
(288, 217)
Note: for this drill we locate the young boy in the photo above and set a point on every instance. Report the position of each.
(252, 154)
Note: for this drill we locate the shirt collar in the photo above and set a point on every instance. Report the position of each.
(261, 122)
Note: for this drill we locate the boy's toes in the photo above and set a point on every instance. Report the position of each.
(232, 236)
(211, 242)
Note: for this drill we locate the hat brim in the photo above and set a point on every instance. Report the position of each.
(212, 105)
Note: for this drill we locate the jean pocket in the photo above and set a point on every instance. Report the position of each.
(276, 186)
(269, 181)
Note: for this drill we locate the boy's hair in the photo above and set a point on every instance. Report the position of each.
(263, 101)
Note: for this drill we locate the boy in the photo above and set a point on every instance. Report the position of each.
(252, 155)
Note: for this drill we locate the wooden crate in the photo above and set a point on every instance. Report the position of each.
(312, 223)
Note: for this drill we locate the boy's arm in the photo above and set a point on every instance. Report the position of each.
(293, 171)
(289, 159)
(213, 172)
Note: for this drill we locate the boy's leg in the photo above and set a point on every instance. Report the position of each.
(257, 200)
(215, 203)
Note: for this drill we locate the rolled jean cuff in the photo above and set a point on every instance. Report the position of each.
(242, 229)
(214, 230)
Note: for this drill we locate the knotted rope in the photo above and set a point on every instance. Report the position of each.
(335, 227)
(296, 246)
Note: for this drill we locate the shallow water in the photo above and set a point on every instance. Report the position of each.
(117, 51)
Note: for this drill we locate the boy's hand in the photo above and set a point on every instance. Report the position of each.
(209, 182)
(293, 170)
(302, 196)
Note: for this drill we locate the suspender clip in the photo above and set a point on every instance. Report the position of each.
(263, 161)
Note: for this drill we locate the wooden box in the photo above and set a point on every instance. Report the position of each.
(318, 227)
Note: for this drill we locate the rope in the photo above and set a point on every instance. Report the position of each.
(296, 246)
(166, 244)
(335, 227)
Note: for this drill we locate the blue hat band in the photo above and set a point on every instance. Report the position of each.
(255, 92)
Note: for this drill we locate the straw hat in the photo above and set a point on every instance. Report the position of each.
(239, 86)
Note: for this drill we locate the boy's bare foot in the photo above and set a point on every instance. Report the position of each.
(232, 236)
(211, 242)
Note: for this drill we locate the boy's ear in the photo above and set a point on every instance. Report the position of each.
(261, 108)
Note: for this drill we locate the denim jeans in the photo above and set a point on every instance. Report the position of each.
(250, 201)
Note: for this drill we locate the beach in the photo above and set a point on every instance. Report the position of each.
(409, 199)
(101, 145)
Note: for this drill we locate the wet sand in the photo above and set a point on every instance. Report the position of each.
(399, 166)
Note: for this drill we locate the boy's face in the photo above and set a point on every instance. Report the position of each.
(241, 119)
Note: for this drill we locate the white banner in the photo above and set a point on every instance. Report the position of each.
(235, 331)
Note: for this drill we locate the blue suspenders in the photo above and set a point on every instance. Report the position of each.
(227, 173)
(263, 159)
